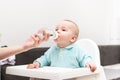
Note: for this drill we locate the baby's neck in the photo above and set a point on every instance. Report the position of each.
(63, 45)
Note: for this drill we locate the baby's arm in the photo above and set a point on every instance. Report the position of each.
(33, 65)
(92, 66)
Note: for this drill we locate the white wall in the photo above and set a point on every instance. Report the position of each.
(21, 18)
(115, 25)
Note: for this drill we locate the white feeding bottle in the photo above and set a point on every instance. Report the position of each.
(53, 34)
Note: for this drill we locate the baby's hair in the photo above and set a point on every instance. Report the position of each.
(76, 26)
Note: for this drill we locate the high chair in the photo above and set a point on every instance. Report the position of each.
(89, 46)
(54, 73)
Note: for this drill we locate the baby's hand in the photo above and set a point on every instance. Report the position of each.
(33, 65)
(91, 66)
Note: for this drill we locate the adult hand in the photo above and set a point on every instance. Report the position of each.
(36, 39)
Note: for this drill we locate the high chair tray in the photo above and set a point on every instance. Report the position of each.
(53, 73)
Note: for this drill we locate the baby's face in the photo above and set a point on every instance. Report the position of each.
(65, 30)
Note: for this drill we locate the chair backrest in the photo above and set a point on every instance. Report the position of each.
(90, 47)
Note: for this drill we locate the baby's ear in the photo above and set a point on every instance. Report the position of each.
(74, 38)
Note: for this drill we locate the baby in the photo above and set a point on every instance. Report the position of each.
(65, 53)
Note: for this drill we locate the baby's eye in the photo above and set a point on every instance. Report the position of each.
(63, 29)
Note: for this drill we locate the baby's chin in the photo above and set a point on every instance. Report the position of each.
(56, 40)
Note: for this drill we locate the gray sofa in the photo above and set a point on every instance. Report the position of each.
(109, 54)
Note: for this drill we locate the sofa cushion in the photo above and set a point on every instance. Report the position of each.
(30, 55)
(109, 54)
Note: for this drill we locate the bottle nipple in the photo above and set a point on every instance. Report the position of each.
(54, 35)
